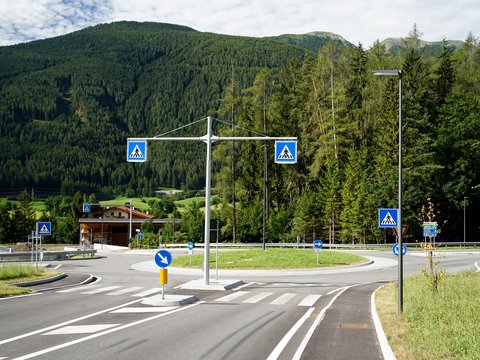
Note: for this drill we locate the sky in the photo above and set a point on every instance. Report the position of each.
(358, 21)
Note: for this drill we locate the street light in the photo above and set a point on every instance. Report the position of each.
(464, 219)
(399, 225)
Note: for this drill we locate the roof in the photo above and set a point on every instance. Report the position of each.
(136, 214)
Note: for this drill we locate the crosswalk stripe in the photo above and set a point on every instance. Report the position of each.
(256, 298)
(137, 310)
(105, 289)
(281, 300)
(124, 291)
(147, 292)
(232, 296)
(78, 288)
(309, 300)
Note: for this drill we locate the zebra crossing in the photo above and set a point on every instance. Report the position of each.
(240, 296)
(271, 298)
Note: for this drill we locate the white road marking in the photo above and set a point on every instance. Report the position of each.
(148, 292)
(281, 345)
(257, 297)
(309, 300)
(244, 285)
(126, 290)
(57, 267)
(382, 338)
(334, 291)
(232, 296)
(149, 309)
(78, 288)
(477, 264)
(103, 289)
(281, 300)
(66, 322)
(106, 332)
(81, 329)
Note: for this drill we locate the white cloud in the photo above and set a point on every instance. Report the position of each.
(357, 21)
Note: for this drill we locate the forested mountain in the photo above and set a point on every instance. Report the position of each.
(68, 104)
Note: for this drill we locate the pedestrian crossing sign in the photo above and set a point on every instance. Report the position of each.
(136, 151)
(285, 152)
(44, 228)
(387, 218)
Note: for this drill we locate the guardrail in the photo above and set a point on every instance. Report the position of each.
(25, 256)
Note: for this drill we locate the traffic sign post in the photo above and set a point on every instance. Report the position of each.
(140, 236)
(163, 258)
(137, 152)
(190, 251)
(318, 244)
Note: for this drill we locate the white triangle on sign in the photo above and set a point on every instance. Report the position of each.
(286, 153)
(136, 153)
(388, 220)
(44, 229)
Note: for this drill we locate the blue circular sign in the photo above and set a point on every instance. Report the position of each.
(318, 244)
(163, 258)
(190, 246)
(395, 249)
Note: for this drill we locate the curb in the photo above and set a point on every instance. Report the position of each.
(42, 281)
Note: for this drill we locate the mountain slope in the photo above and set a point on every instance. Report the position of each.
(67, 104)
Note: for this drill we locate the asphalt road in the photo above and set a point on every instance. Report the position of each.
(314, 314)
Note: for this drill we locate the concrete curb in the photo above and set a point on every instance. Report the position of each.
(170, 300)
(42, 281)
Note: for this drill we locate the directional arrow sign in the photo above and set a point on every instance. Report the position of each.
(395, 249)
(163, 258)
(318, 244)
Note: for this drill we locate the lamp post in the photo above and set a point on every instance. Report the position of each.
(464, 219)
(399, 225)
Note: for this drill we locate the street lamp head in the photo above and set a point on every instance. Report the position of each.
(386, 72)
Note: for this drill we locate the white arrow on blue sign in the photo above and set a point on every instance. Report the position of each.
(163, 258)
(387, 218)
(285, 152)
(137, 151)
(395, 249)
(140, 236)
(86, 208)
(318, 244)
(44, 228)
(190, 246)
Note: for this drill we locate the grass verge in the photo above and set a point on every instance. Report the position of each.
(10, 274)
(272, 259)
(444, 325)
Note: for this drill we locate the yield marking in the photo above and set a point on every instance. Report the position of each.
(147, 292)
(124, 291)
(105, 289)
(81, 329)
(232, 296)
(281, 300)
(256, 298)
(309, 300)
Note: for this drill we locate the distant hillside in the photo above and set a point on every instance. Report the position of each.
(68, 104)
(435, 47)
(312, 41)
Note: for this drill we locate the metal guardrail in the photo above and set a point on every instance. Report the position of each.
(25, 256)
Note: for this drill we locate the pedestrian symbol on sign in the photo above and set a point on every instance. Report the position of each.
(285, 154)
(137, 151)
(388, 220)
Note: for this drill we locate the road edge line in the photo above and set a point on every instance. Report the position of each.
(382, 338)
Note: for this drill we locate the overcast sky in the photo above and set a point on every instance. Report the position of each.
(356, 20)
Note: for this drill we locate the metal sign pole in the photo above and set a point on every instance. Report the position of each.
(208, 139)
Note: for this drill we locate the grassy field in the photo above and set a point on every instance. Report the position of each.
(445, 325)
(11, 274)
(271, 259)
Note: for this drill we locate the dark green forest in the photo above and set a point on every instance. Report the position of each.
(68, 104)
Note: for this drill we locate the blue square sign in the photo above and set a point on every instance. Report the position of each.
(44, 228)
(137, 151)
(285, 152)
(387, 218)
